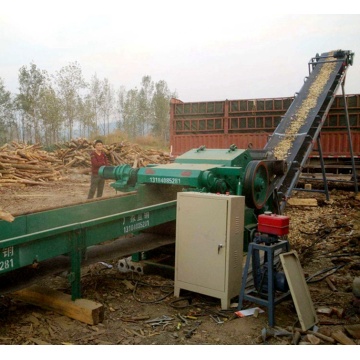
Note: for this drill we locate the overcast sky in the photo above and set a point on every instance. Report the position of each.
(211, 50)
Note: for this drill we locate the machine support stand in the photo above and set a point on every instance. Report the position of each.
(350, 140)
(323, 171)
(267, 299)
(76, 255)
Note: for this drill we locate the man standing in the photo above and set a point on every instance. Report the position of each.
(98, 159)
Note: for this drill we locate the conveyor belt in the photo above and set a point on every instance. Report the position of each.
(299, 129)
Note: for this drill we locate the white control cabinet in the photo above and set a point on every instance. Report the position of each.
(209, 245)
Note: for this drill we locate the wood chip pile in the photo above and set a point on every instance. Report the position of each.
(299, 119)
(22, 165)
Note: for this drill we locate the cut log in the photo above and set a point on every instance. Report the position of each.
(23, 181)
(4, 215)
(323, 337)
(31, 167)
(86, 311)
(7, 185)
(302, 202)
(70, 163)
(331, 285)
(317, 334)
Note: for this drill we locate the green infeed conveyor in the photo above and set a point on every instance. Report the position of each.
(70, 231)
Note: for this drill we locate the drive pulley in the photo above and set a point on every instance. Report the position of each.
(256, 184)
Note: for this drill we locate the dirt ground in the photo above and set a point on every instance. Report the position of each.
(326, 238)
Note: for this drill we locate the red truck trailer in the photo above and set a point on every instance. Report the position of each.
(248, 123)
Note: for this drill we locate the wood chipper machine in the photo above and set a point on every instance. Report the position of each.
(220, 193)
(232, 171)
(147, 206)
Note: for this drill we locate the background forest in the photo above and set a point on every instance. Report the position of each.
(54, 108)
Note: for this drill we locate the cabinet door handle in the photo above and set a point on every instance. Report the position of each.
(220, 246)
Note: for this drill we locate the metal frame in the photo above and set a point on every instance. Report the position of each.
(349, 137)
(323, 172)
(270, 300)
(319, 149)
(73, 238)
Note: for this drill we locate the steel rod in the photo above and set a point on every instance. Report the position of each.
(350, 140)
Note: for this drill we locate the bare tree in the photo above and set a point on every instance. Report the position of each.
(95, 97)
(119, 106)
(145, 108)
(107, 105)
(130, 113)
(51, 114)
(31, 82)
(161, 106)
(70, 82)
(88, 117)
(8, 125)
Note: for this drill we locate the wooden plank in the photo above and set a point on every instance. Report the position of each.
(313, 339)
(84, 310)
(302, 202)
(299, 289)
(340, 337)
(322, 336)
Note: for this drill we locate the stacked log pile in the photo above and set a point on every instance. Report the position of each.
(22, 165)
(76, 153)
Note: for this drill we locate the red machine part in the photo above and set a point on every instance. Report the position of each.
(273, 224)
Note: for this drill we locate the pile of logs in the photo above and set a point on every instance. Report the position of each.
(22, 165)
(76, 153)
